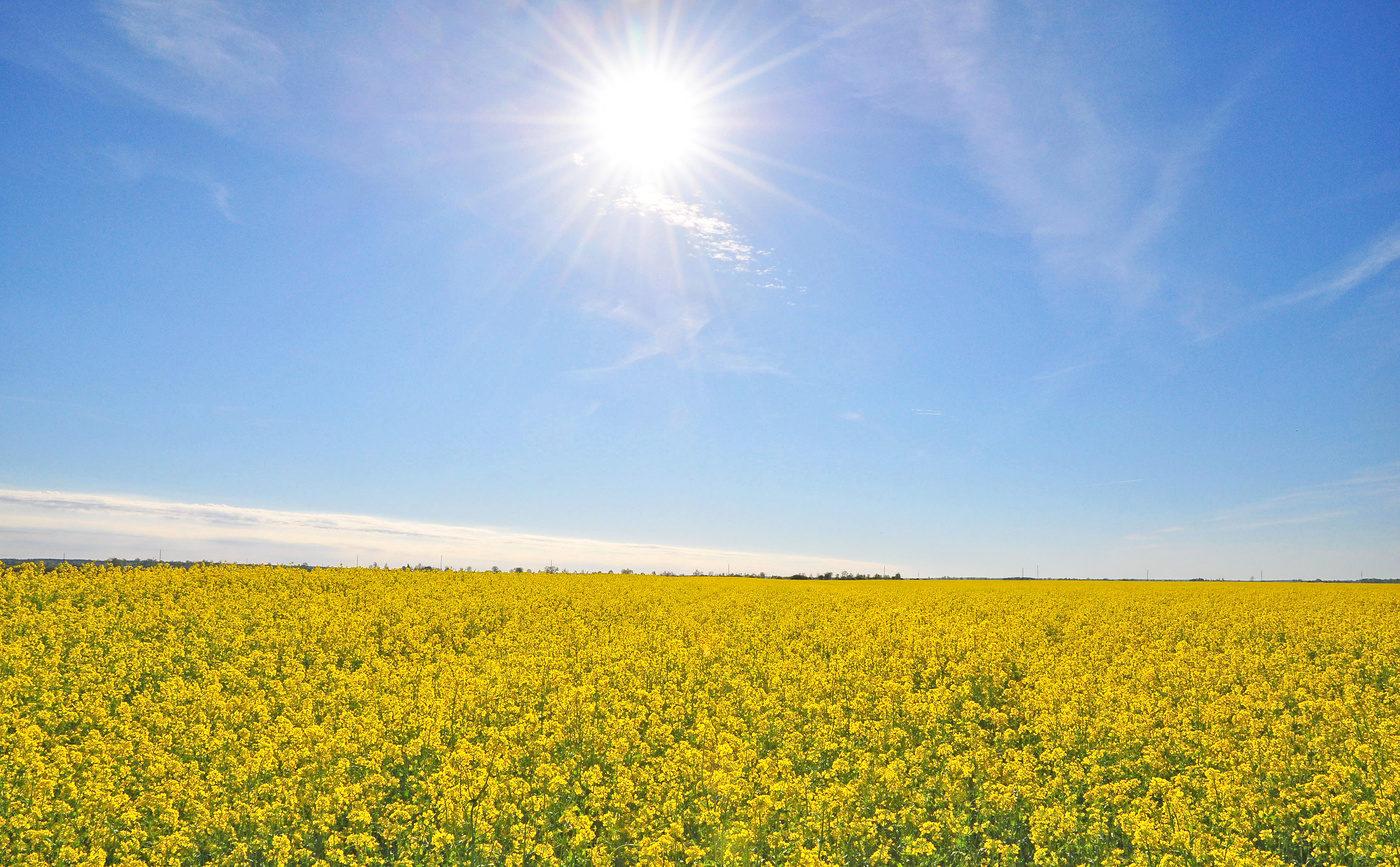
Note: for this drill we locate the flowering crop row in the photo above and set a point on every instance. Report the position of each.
(247, 715)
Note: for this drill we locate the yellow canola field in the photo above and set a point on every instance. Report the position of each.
(241, 715)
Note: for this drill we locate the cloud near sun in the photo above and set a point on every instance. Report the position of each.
(709, 234)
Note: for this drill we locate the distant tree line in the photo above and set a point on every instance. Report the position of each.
(51, 563)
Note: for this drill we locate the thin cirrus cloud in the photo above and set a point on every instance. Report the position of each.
(204, 39)
(709, 234)
(1093, 192)
(1332, 530)
(1366, 264)
(135, 166)
(1049, 375)
(98, 526)
(674, 322)
(1374, 492)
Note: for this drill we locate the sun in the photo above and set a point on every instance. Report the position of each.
(646, 122)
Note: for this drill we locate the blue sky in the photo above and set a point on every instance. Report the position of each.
(947, 288)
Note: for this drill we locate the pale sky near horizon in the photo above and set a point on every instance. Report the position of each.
(961, 288)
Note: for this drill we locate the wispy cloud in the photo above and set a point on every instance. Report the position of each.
(1369, 262)
(134, 166)
(710, 234)
(719, 360)
(1048, 375)
(672, 330)
(1332, 530)
(1370, 492)
(49, 523)
(674, 304)
(1039, 124)
(1315, 518)
(204, 39)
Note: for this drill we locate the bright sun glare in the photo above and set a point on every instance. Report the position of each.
(646, 122)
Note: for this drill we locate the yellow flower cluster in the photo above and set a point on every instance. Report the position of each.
(238, 715)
